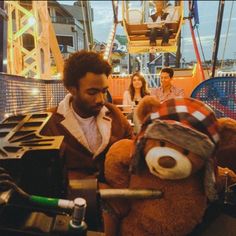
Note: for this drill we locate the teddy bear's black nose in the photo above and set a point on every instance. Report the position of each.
(166, 162)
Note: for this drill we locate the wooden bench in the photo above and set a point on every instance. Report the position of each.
(141, 32)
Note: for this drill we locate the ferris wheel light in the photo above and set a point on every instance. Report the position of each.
(115, 3)
(35, 91)
(31, 21)
(6, 115)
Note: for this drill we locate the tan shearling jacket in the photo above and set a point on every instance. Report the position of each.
(79, 160)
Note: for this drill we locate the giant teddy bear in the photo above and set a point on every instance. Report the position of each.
(175, 153)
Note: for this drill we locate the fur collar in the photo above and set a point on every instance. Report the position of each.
(71, 124)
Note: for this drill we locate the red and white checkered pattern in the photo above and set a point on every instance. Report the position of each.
(190, 112)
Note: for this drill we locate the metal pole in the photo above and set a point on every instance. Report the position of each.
(3, 38)
(115, 10)
(130, 193)
(141, 63)
(178, 53)
(199, 62)
(196, 48)
(129, 64)
(217, 35)
(166, 59)
(85, 25)
(162, 60)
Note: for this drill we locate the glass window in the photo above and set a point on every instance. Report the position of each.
(65, 40)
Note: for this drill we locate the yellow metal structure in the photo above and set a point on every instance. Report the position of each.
(110, 41)
(30, 39)
(137, 25)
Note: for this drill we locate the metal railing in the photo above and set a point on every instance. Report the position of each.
(20, 95)
(153, 80)
(62, 20)
(220, 94)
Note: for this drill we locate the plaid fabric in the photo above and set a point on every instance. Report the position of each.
(190, 112)
(188, 138)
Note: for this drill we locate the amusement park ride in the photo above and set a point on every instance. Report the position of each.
(137, 25)
(34, 62)
(19, 134)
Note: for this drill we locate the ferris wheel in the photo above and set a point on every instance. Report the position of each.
(138, 18)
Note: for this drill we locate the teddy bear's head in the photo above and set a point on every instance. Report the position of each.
(177, 139)
(167, 160)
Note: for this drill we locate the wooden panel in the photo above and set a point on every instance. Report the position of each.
(117, 86)
(137, 29)
(144, 37)
(145, 48)
(188, 83)
(142, 29)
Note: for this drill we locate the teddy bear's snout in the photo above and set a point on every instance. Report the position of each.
(167, 162)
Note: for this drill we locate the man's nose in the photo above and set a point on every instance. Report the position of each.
(100, 98)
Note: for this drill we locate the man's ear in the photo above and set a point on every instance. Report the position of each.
(72, 90)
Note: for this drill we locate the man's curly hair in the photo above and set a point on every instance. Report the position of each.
(81, 62)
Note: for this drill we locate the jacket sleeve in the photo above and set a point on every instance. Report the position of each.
(128, 130)
(121, 127)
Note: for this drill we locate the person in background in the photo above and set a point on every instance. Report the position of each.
(137, 90)
(88, 123)
(159, 16)
(167, 90)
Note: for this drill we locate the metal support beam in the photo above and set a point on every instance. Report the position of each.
(217, 35)
(30, 22)
(3, 38)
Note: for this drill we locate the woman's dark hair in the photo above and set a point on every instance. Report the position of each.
(168, 70)
(81, 62)
(144, 90)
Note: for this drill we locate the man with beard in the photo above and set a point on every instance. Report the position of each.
(88, 123)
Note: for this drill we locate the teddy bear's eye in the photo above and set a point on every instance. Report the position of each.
(162, 144)
(185, 152)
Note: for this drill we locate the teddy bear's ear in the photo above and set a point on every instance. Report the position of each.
(226, 151)
(226, 125)
(146, 106)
